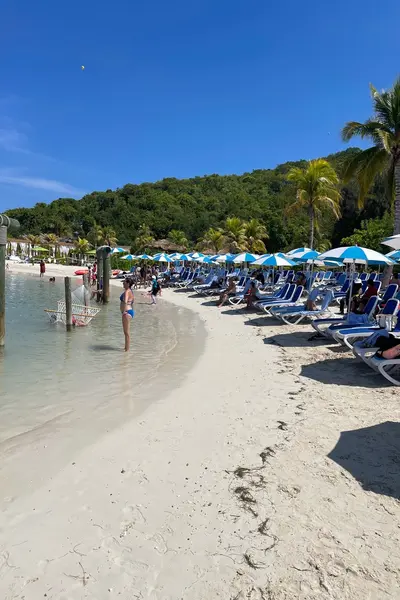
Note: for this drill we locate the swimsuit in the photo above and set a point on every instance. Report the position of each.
(130, 312)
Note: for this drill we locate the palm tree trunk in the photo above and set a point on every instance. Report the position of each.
(311, 215)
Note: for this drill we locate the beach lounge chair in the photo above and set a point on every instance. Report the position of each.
(282, 304)
(368, 315)
(284, 293)
(280, 293)
(297, 314)
(207, 282)
(387, 367)
(349, 336)
(288, 298)
(235, 300)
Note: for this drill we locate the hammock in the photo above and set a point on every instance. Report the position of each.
(81, 314)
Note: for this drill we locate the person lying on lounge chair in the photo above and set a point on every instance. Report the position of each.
(230, 291)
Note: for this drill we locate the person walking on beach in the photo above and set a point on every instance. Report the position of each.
(155, 289)
(42, 268)
(126, 306)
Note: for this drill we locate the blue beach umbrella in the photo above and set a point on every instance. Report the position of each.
(298, 251)
(187, 257)
(357, 254)
(144, 257)
(117, 250)
(394, 254)
(163, 258)
(245, 257)
(274, 260)
(304, 256)
(195, 254)
(128, 257)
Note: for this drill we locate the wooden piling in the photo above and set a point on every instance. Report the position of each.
(68, 303)
(106, 278)
(99, 277)
(86, 285)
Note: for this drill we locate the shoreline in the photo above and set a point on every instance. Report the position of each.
(224, 488)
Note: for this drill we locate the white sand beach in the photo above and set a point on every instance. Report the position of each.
(238, 485)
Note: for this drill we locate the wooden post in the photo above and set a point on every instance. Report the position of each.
(106, 278)
(86, 285)
(3, 242)
(99, 276)
(68, 303)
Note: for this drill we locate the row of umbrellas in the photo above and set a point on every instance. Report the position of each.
(335, 257)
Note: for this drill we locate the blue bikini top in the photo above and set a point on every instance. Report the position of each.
(121, 299)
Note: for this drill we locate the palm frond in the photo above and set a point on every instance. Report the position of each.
(369, 129)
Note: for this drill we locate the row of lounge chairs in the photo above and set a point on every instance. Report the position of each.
(286, 301)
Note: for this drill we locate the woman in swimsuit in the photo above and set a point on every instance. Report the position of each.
(127, 299)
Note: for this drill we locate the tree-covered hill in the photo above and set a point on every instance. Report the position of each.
(196, 204)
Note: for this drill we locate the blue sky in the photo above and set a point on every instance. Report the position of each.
(179, 88)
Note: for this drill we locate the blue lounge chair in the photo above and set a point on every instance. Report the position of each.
(350, 336)
(299, 314)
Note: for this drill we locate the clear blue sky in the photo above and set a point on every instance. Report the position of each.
(179, 88)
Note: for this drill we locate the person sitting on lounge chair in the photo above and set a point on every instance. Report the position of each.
(230, 291)
(252, 294)
(371, 290)
(357, 286)
(301, 280)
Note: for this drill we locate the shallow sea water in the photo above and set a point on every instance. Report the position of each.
(62, 391)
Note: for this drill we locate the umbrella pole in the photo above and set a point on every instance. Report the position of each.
(352, 271)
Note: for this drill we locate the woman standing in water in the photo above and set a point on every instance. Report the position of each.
(127, 299)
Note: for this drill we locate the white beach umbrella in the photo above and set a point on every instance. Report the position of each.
(298, 250)
(273, 260)
(357, 255)
(144, 257)
(163, 258)
(245, 257)
(393, 242)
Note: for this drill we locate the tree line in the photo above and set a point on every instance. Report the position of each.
(351, 196)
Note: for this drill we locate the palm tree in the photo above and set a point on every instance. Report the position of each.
(255, 233)
(316, 192)
(178, 238)
(81, 246)
(95, 236)
(213, 240)
(235, 234)
(109, 236)
(144, 239)
(383, 129)
(34, 240)
(52, 241)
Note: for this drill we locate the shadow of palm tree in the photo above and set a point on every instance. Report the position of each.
(372, 456)
(343, 371)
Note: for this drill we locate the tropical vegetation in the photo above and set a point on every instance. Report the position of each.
(383, 157)
(317, 191)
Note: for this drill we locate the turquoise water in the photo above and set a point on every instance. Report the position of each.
(61, 391)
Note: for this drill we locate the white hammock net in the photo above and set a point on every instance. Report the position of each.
(82, 313)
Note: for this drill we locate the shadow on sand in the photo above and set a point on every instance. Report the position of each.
(372, 456)
(343, 371)
(297, 339)
(104, 348)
